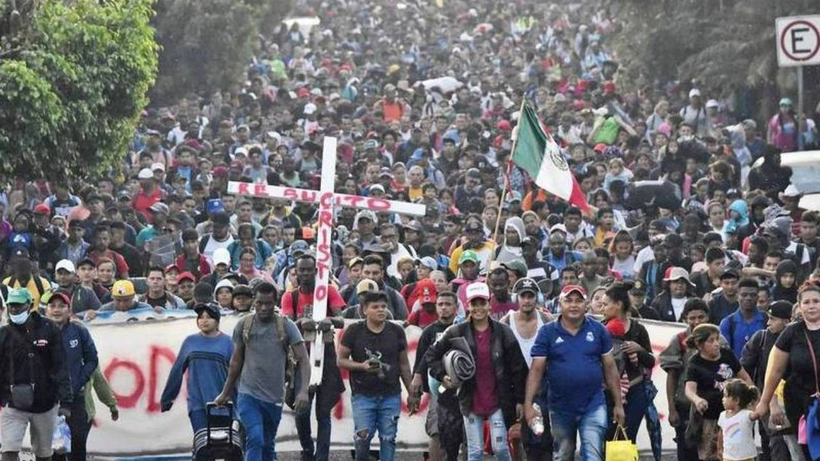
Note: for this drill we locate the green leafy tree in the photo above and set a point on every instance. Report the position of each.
(72, 90)
(207, 44)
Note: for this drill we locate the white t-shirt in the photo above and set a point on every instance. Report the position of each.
(677, 306)
(738, 435)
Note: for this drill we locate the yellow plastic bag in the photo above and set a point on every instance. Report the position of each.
(621, 450)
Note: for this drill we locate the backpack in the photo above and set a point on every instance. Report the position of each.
(733, 325)
(290, 364)
(38, 284)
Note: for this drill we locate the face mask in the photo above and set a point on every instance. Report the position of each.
(19, 319)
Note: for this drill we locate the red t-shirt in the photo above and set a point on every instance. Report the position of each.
(143, 201)
(335, 303)
(119, 261)
(485, 400)
(422, 318)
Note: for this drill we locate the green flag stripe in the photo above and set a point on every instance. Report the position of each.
(530, 144)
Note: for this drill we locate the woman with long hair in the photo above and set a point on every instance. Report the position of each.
(793, 352)
(708, 371)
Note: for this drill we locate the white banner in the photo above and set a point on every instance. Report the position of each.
(137, 357)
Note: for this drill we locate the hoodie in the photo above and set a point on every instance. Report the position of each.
(779, 291)
(507, 252)
(733, 224)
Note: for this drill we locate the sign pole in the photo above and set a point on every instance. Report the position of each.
(800, 122)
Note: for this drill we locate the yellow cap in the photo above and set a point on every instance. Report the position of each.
(122, 289)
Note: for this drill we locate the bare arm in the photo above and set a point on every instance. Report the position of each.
(300, 352)
(613, 382)
(347, 363)
(745, 377)
(775, 369)
(234, 370)
(672, 377)
(534, 377)
(404, 370)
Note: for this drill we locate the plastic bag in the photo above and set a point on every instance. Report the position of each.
(61, 442)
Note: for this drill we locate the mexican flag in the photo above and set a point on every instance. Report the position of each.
(537, 153)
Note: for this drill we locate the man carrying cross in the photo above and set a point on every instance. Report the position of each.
(297, 305)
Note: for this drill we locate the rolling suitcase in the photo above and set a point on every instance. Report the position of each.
(220, 440)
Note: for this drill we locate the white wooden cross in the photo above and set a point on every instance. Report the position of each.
(327, 200)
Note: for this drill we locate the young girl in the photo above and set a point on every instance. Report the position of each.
(617, 172)
(623, 260)
(737, 440)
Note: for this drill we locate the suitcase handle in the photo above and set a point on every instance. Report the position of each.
(209, 408)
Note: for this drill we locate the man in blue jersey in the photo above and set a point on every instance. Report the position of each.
(575, 353)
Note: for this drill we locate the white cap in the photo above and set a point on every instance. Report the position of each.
(222, 256)
(274, 135)
(694, 92)
(240, 150)
(145, 173)
(158, 166)
(309, 108)
(223, 284)
(560, 227)
(791, 191)
(477, 290)
(66, 265)
(712, 103)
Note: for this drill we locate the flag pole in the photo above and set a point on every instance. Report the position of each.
(507, 184)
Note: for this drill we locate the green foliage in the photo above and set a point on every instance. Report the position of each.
(724, 43)
(70, 100)
(207, 44)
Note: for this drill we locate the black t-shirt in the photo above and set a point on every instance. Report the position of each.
(710, 377)
(799, 380)
(430, 335)
(154, 302)
(390, 342)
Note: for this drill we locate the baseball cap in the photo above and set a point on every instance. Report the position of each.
(66, 265)
(223, 284)
(428, 262)
(730, 274)
(18, 296)
(526, 284)
(185, 276)
(781, 310)
(353, 261)
(694, 92)
(158, 166)
(569, 289)
(20, 253)
(468, 255)
(477, 290)
(122, 289)
(222, 256)
(145, 173)
(298, 248)
(42, 208)
(366, 214)
(62, 294)
(215, 205)
(86, 262)
(427, 291)
(159, 207)
(377, 187)
(366, 285)
(712, 103)
(677, 273)
(211, 308)
(371, 144)
(517, 266)
(309, 108)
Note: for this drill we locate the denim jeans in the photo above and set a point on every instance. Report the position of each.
(371, 414)
(261, 421)
(474, 429)
(321, 450)
(591, 426)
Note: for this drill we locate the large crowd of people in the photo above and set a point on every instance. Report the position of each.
(531, 307)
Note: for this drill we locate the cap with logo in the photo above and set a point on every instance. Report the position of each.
(159, 207)
(468, 256)
(477, 290)
(18, 296)
(366, 285)
(122, 289)
(526, 285)
(59, 294)
(569, 289)
(428, 262)
(427, 291)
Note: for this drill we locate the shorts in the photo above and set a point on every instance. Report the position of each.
(431, 423)
(13, 424)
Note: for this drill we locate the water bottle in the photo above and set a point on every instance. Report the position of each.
(537, 421)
